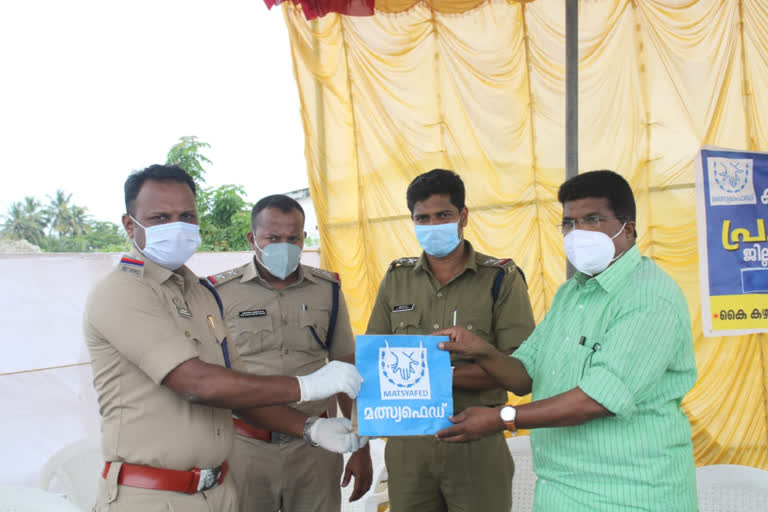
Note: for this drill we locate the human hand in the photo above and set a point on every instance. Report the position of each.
(335, 377)
(336, 435)
(463, 342)
(360, 466)
(471, 424)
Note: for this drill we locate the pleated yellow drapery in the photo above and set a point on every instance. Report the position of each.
(479, 88)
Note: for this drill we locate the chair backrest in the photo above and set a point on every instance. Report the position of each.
(731, 488)
(377, 496)
(15, 498)
(74, 472)
(524, 480)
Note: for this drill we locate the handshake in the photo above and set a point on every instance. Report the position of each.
(332, 434)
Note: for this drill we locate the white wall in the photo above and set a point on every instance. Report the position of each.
(46, 397)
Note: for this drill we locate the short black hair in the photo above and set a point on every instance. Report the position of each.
(155, 172)
(281, 202)
(436, 181)
(601, 184)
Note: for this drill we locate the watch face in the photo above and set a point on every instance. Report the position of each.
(508, 413)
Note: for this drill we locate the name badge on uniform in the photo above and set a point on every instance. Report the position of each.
(252, 313)
(402, 307)
(182, 311)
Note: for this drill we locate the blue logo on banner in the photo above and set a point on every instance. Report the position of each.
(407, 387)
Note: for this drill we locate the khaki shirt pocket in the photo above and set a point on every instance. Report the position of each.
(315, 321)
(252, 334)
(405, 322)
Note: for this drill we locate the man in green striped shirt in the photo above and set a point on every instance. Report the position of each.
(608, 367)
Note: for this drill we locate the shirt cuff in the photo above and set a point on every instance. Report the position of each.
(526, 358)
(609, 391)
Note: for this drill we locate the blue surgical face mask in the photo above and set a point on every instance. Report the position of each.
(280, 259)
(438, 239)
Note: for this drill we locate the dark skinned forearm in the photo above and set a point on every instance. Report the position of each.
(573, 407)
(276, 418)
(210, 384)
(507, 371)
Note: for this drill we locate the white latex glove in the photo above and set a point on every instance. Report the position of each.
(335, 377)
(336, 435)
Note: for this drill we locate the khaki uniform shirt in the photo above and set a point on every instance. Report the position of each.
(141, 322)
(411, 301)
(273, 328)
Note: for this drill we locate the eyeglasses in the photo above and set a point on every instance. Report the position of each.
(590, 222)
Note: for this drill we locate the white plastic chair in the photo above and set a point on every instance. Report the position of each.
(377, 495)
(74, 472)
(731, 488)
(524, 481)
(15, 498)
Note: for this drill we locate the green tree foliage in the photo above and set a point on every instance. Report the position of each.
(186, 154)
(25, 221)
(61, 226)
(223, 211)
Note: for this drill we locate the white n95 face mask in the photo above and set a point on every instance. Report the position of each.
(170, 245)
(590, 252)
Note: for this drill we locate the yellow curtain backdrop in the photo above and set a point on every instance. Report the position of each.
(478, 87)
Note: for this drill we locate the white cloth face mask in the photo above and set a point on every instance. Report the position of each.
(590, 252)
(170, 245)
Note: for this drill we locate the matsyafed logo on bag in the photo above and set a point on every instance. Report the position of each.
(731, 181)
(404, 373)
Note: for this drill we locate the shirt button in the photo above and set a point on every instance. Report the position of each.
(285, 322)
(436, 326)
(469, 327)
(402, 324)
(186, 333)
(439, 294)
(553, 372)
(581, 306)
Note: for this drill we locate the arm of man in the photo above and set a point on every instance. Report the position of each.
(650, 330)
(474, 377)
(573, 407)
(503, 370)
(512, 324)
(214, 385)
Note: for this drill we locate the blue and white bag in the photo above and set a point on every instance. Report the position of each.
(407, 385)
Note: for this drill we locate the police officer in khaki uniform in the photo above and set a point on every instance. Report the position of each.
(452, 284)
(161, 364)
(287, 319)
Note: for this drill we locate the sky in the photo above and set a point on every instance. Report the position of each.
(92, 89)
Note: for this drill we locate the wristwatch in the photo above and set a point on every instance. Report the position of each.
(307, 427)
(508, 415)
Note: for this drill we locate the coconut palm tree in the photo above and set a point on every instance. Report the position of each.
(58, 212)
(25, 221)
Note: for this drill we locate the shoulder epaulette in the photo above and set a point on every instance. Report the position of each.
(131, 266)
(507, 263)
(403, 262)
(224, 277)
(324, 274)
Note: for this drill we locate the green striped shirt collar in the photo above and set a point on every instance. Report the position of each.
(612, 277)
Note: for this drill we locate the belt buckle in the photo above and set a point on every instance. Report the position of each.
(208, 478)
